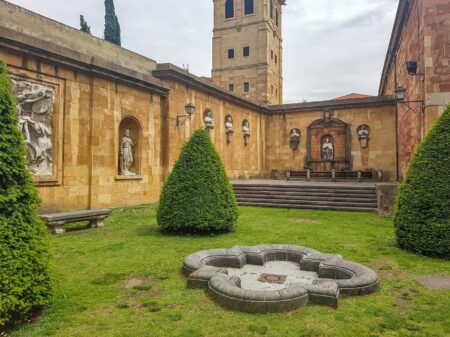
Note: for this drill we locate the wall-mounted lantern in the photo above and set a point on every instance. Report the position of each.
(400, 94)
(363, 132)
(229, 129)
(246, 131)
(295, 135)
(190, 110)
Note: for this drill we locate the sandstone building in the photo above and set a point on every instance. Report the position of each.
(87, 106)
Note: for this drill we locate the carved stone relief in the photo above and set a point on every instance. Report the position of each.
(35, 109)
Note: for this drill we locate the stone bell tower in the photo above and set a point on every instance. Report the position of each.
(247, 48)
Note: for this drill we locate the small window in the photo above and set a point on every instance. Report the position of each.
(249, 7)
(276, 92)
(277, 18)
(246, 87)
(246, 51)
(271, 54)
(271, 9)
(229, 9)
(231, 87)
(271, 89)
(230, 54)
(276, 59)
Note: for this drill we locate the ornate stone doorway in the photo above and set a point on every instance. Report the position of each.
(329, 142)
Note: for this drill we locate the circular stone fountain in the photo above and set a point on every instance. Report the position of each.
(276, 278)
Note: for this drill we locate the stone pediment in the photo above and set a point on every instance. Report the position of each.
(328, 123)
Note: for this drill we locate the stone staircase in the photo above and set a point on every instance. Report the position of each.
(341, 197)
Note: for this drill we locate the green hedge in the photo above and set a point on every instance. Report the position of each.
(24, 277)
(422, 219)
(198, 197)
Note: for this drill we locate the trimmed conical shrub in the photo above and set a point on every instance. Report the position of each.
(198, 197)
(422, 219)
(24, 277)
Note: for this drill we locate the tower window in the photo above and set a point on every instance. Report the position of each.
(277, 18)
(229, 9)
(231, 87)
(271, 9)
(246, 51)
(230, 54)
(276, 59)
(249, 7)
(246, 87)
(271, 54)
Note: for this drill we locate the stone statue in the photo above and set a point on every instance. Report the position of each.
(295, 138)
(327, 150)
(208, 120)
(126, 154)
(35, 109)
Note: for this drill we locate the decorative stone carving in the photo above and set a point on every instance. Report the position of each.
(327, 149)
(363, 135)
(295, 138)
(327, 115)
(229, 129)
(35, 109)
(126, 154)
(246, 131)
(208, 120)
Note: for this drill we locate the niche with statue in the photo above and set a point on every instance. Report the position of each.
(246, 131)
(129, 147)
(229, 128)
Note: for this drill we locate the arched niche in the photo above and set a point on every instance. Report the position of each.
(129, 160)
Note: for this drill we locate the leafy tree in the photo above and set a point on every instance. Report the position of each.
(24, 277)
(112, 26)
(422, 219)
(198, 197)
(84, 27)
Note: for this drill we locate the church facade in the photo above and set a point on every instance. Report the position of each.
(103, 126)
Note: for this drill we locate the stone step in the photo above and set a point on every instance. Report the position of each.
(344, 203)
(308, 194)
(305, 191)
(352, 187)
(312, 207)
(365, 199)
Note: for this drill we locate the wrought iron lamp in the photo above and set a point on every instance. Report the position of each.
(190, 110)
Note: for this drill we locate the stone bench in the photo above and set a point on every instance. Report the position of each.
(55, 222)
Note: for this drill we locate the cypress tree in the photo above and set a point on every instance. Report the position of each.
(24, 277)
(198, 197)
(112, 26)
(84, 27)
(422, 219)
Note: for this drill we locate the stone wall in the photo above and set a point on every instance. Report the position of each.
(421, 33)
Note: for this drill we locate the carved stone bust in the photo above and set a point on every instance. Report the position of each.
(208, 120)
(363, 135)
(295, 138)
(229, 124)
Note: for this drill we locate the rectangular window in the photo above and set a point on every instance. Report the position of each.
(246, 87)
(230, 54)
(277, 18)
(229, 9)
(249, 7)
(271, 89)
(271, 54)
(231, 87)
(246, 51)
(276, 59)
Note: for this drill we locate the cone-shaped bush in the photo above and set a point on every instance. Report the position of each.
(198, 197)
(422, 219)
(24, 278)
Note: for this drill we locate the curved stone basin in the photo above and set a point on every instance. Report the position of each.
(276, 278)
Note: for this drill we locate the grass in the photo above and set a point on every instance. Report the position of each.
(90, 268)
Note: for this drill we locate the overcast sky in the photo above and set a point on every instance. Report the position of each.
(331, 47)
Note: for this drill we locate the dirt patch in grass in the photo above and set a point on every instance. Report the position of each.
(137, 282)
(146, 293)
(306, 221)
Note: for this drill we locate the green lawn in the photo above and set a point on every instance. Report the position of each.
(90, 268)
